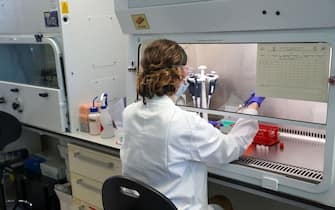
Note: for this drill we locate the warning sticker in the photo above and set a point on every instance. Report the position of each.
(51, 19)
(140, 22)
(65, 7)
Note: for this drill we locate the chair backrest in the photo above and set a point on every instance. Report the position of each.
(125, 193)
(10, 129)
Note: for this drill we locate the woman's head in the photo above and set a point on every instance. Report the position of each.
(162, 63)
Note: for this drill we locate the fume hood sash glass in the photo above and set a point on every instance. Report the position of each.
(31, 64)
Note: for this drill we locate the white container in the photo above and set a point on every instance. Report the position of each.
(108, 129)
(94, 121)
(107, 125)
(63, 192)
(54, 169)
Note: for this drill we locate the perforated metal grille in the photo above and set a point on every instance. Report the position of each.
(304, 132)
(304, 174)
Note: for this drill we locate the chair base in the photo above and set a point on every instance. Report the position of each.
(18, 205)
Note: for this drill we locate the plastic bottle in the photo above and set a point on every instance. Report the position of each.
(94, 119)
(107, 126)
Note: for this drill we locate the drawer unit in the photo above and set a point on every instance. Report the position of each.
(92, 164)
(86, 189)
(89, 169)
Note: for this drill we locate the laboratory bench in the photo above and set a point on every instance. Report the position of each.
(92, 160)
(108, 146)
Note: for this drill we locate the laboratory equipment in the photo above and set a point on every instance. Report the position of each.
(212, 79)
(192, 88)
(94, 118)
(107, 125)
(198, 87)
(54, 169)
(266, 135)
(55, 55)
(84, 110)
(277, 49)
(195, 89)
(202, 69)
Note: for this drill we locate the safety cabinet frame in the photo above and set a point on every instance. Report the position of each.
(62, 124)
(245, 174)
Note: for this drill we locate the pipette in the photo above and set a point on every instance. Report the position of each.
(212, 79)
(191, 89)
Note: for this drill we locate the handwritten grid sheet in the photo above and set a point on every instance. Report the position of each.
(293, 71)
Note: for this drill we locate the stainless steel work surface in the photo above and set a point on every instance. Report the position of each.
(297, 151)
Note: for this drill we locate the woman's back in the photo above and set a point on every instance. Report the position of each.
(156, 152)
(169, 148)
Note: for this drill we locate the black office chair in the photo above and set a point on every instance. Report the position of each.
(10, 131)
(125, 193)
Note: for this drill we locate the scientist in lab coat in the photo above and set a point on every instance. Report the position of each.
(169, 148)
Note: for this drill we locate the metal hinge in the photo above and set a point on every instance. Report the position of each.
(38, 37)
(331, 80)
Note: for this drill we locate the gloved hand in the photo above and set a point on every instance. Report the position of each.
(253, 98)
(216, 124)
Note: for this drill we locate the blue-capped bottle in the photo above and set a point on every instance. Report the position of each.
(94, 119)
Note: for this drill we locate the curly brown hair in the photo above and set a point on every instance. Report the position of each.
(160, 74)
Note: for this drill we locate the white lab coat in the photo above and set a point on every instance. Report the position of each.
(170, 149)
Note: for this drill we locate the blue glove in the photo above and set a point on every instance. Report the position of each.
(216, 124)
(253, 98)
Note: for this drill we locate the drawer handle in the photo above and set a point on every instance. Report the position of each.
(14, 90)
(108, 165)
(88, 186)
(43, 95)
(2, 100)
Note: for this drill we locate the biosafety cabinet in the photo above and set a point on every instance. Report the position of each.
(282, 50)
(56, 55)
